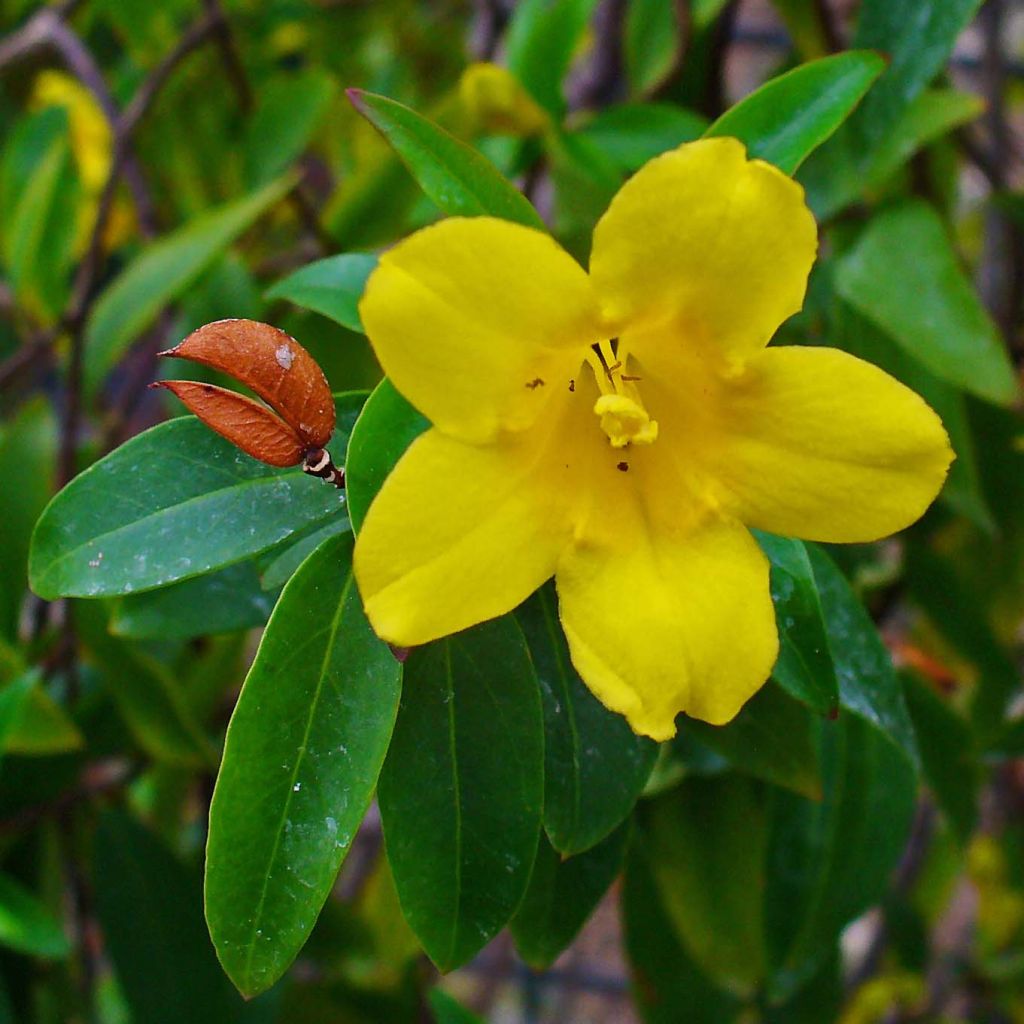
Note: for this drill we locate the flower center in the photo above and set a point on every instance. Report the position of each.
(619, 406)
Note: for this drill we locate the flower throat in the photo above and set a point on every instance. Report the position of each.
(619, 407)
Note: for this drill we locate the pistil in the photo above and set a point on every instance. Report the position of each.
(619, 407)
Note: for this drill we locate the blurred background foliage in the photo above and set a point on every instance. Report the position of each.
(165, 165)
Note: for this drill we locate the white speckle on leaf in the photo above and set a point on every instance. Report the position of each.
(94, 563)
(284, 356)
(296, 787)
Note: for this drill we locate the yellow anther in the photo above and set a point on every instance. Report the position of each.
(625, 421)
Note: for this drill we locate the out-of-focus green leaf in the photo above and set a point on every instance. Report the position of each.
(448, 1011)
(461, 181)
(24, 147)
(595, 765)
(630, 134)
(175, 502)
(785, 120)
(540, 41)
(804, 667)
(705, 841)
(32, 722)
(387, 426)
(803, 22)
(26, 925)
(561, 895)
(150, 907)
(27, 455)
(652, 43)
(904, 276)
(668, 987)
(947, 756)
(771, 739)
(332, 287)
(585, 182)
(829, 860)
(301, 760)
(161, 273)
(146, 692)
(290, 110)
(222, 601)
(917, 36)
(462, 789)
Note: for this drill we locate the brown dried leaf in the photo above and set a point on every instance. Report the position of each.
(272, 364)
(244, 422)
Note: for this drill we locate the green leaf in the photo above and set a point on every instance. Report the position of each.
(562, 894)
(705, 842)
(947, 756)
(790, 116)
(277, 565)
(31, 722)
(150, 908)
(175, 502)
(630, 134)
(462, 788)
(868, 686)
(386, 427)
(146, 692)
(804, 667)
(222, 601)
(829, 860)
(461, 181)
(27, 455)
(332, 287)
(594, 765)
(290, 109)
(540, 41)
(652, 44)
(26, 925)
(161, 273)
(904, 276)
(917, 36)
(771, 739)
(301, 760)
(448, 1011)
(668, 987)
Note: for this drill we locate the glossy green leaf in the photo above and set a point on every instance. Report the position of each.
(868, 686)
(222, 601)
(146, 692)
(790, 116)
(301, 760)
(829, 860)
(461, 181)
(290, 109)
(540, 41)
(387, 426)
(905, 277)
(630, 134)
(26, 926)
(594, 765)
(448, 1011)
(462, 788)
(705, 842)
(161, 273)
(804, 667)
(668, 987)
(174, 502)
(150, 907)
(771, 739)
(332, 287)
(562, 894)
(277, 565)
(27, 455)
(948, 759)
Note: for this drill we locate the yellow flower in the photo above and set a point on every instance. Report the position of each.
(91, 137)
(618, 430)
(497, 103)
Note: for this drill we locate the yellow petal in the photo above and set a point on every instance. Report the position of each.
(477, 321)
(708, 244)
(668, 621)
(458, 534)
(825, 446)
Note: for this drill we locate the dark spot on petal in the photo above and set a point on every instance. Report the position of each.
(537, 382)
(572, 385)
(622, 467)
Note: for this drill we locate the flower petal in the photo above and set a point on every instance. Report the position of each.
(475, 320)
(458, 534)
(706, 242)
(824, 446)
(670, 621)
